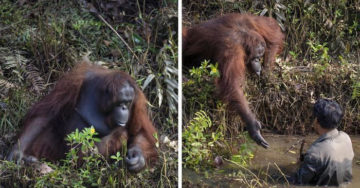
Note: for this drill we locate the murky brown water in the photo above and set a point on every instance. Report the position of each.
(268, 161)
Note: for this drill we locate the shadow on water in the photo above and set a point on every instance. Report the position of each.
(267, 168)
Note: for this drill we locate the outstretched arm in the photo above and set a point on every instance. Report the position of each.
(230, 84)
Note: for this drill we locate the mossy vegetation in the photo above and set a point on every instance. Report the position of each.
(40, 40)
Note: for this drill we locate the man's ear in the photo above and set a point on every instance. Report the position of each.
(316, 126)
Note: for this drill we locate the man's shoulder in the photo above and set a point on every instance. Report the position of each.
(344, 135)
(331, 146)
(340, 137)
(318, 149)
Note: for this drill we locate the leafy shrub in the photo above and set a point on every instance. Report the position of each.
(90, 170)
(200, 136)
(197, 142)
(245, 152)
(199, 90)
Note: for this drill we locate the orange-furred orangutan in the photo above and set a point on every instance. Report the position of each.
(90, 95)
(235, 41)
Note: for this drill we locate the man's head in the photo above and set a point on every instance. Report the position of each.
(328, 113)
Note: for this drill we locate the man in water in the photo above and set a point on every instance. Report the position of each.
(329, 159)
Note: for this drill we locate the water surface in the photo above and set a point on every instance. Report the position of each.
(269, 165)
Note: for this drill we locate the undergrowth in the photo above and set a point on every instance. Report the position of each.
(83, 166)
(204, 136)
(198, 143)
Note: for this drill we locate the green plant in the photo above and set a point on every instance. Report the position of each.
(19, 72)
(206, 70)
(245, 153)
(118, 158)
(197, 142)
(10, 119)
(84, 143)
(320, 54)
(199, 90)
(356, 90)
(84, 166)
(167, 58)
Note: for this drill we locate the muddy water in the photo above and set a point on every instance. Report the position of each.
(268, 165)
(286, 157)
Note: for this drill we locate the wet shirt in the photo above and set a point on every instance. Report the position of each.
(328, 161)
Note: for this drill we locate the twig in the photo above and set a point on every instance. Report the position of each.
(257, 179)
(117, 34)
(281, 172)
(302, 146)
(301, 150)
(296, 143)
(164, 173)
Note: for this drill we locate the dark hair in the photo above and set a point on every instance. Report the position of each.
(328, 113)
